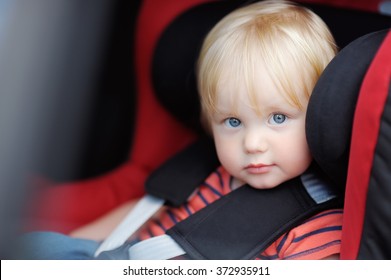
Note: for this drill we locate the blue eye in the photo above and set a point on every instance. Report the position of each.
(278, 118)
(232, 122)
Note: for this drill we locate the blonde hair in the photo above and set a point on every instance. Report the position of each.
(271, 33)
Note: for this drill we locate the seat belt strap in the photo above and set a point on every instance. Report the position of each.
(142, 212)
(161, 247)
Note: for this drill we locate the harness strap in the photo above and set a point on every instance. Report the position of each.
(177, 178)
(142, 212)
(161, 247)
(217, 231)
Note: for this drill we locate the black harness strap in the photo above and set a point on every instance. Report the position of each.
(246, 221)
(177, 178)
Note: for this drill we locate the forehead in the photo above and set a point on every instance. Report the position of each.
(256, 89)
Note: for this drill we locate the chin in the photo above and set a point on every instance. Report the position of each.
(263, 186)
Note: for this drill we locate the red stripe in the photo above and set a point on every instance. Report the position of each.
(370, 105)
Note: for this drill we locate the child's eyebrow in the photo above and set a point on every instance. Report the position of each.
(280, 105)
(224, 113)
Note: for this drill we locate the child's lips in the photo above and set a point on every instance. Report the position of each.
(258, 168)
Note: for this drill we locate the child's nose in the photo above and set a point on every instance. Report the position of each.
(255, 142)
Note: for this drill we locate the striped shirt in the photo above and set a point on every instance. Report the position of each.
(316, 238)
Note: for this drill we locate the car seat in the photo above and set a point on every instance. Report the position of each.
(166, 119)
(348, 131)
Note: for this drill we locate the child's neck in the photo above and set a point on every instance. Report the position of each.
(236, 183)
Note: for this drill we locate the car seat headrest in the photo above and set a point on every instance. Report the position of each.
(332, 105)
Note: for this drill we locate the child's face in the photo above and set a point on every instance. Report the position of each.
(263, 148)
